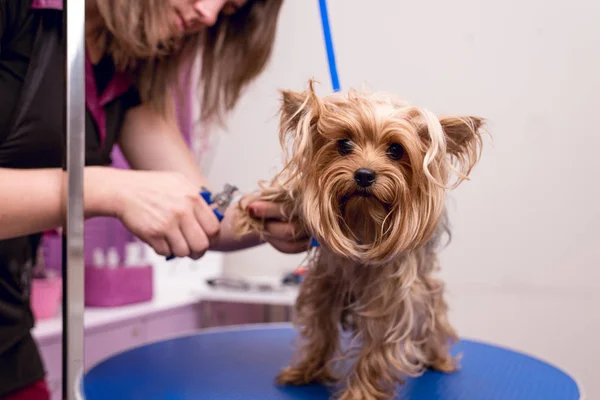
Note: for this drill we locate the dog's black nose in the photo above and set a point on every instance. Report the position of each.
(364, 177)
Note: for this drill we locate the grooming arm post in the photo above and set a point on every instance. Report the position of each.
(73, 257)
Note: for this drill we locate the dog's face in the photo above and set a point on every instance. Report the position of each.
(370, 172)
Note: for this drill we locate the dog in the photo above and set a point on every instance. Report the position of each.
(366, 174)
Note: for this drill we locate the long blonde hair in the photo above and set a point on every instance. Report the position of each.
(234, 51)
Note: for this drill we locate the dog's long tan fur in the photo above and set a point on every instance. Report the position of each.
(374, 271)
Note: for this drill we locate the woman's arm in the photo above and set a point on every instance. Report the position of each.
(161, 208)
(34, 200)
(151, 142)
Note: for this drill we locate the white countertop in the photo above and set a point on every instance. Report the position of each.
(165, 298)
(177, 283)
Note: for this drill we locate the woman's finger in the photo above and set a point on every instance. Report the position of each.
(288, 247)
(160, 246)
(177, 243)
(268, 210)
(206, 218)
(197, 256)
(285, 230)
(195, 236)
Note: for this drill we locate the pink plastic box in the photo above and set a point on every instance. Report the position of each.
(110, 287)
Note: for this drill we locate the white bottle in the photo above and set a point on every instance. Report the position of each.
(112, 258)
(133, 254)
(98, 258)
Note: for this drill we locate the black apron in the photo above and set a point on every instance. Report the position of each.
(20, 362)
(36, 139)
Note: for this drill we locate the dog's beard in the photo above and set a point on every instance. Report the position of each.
(360, 224)
(369, 226)
(363, 218)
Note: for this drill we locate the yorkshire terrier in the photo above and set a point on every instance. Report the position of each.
(366, 175)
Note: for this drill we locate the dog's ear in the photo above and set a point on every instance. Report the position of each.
(299, 113)
(463, 140)
(455, 141)
(297, 105)
(462, 133)
(292, 104)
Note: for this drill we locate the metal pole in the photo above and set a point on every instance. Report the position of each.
(73, 268)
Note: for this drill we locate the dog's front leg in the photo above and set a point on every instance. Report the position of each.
(404, 343)
(317, 316)
(372, 377)
(438, 335)
(387, 328)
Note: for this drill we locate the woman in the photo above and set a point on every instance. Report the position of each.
(136, 51)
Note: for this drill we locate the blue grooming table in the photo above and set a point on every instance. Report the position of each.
(240, 364)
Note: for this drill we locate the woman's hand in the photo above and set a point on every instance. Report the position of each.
(287, 237)
(165, 210)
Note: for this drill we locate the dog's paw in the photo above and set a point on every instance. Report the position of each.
(351, 396)
(447, 365)
(364, 395)
(292, 376)
(296, 376)
(245, 222)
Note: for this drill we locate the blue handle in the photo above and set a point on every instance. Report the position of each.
(207, 196)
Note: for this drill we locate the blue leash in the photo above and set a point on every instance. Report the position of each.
(335, 81)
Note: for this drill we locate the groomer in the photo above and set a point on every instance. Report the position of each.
(135, 54)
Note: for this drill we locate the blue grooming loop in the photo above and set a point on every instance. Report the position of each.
(241, 364)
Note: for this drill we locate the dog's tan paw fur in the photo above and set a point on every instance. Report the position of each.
(297, 376)
(447, 365)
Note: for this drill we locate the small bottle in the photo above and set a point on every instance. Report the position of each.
(98, 258)
(133, 254)
(112, 258)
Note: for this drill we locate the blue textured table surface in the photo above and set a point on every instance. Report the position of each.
(240, 364)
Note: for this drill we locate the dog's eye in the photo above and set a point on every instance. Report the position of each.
(344, 146)
(395, 151)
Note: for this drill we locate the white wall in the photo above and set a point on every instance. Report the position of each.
(523, 269)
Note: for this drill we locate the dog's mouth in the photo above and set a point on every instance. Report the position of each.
(360, 195)
(364, 193)
(362, 215)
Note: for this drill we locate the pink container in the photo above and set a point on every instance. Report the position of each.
(110, 287)
(46, 295)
